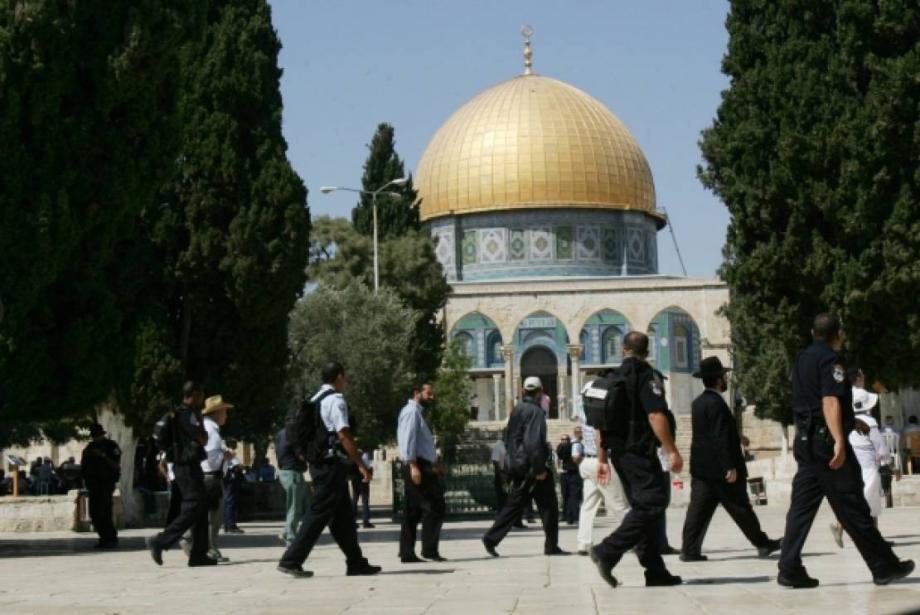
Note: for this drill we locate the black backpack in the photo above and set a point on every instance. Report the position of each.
(306, 434)
(610, 406)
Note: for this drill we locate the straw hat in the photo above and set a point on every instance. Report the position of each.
(215, 403)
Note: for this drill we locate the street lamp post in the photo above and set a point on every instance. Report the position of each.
(381, 190)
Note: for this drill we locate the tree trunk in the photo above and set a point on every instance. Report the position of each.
(113, 422)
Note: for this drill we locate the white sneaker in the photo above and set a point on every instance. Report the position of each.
(837, 533)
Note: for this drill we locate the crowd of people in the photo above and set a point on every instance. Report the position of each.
(621, 455)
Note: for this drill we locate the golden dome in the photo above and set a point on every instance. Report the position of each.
(533, 142)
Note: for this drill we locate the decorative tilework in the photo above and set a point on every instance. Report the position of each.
(445, 251)
(518, 245)
(564, 242)
(636, 245)
(541, 244)
(469, 247)
(611, 245)
(652, 252)
(588, 246)
(493, 245)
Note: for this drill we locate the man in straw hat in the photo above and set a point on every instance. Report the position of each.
(530, 468)
(717, 468)
(215, 415)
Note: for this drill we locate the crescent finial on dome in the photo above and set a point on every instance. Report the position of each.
(527, 33)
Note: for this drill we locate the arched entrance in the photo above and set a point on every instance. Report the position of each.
(540, 361)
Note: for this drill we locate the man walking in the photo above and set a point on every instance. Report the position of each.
(529, 467)
(297, 495)
(717, 468)
(569, 477)
(639, 468)
(826, 462)
(331, 504)
(594, 494)
(186, 454)
(215, 416)
(424, 494)
(101, 467)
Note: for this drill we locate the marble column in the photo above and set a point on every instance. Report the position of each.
(496, 397)
(508, 355)
(575, 356)
(562, 405)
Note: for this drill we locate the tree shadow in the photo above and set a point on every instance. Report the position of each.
(428, 571)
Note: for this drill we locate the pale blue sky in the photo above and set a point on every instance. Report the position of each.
(350, 64)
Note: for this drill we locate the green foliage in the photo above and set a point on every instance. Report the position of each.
(88, 95)
(451, 412)
(408, 266)
(395, 216)
(815, 151)
(371, 336)
(230, 238)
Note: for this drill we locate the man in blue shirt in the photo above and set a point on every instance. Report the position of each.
(424, 494)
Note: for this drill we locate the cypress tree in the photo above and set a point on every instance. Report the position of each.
(232, 231)
(815, 150)
(395, 215)
(87, 122)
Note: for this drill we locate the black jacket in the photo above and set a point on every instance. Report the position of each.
(525, 440)
(716, 446)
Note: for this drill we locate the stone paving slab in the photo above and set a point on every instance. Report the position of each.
(61, 573)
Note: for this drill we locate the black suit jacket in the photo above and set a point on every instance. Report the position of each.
(716, 446)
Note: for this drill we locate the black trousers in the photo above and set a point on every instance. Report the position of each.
(646, 491)
(193, 512)
(100, 511)
(572, 490)
(520, 492)
(330, 506)
(843, 488)
(175, 502)
(425, 503)
(361, 490)
(705, 496)
(501, 496)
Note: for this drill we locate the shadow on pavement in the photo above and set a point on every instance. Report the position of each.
(728, 580)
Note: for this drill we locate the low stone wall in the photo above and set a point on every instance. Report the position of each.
(49, 513)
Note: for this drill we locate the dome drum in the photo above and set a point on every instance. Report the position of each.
(545, 242)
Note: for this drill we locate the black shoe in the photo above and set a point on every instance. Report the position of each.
(519, 526)
(204, 561)
(900, 571)
(368, 525)
(605, 568)
(298, 573)
(531, 520)
(233, 530)
(363, 570)
(662, 578)
(797, 580)
(435, 557)
(555, 551)
(770, 547)
(411, 559)
(490, 547)
(687, 557)
(156, 552)
(669, 550)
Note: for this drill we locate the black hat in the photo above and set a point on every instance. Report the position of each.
(710, 367)
(96, 430)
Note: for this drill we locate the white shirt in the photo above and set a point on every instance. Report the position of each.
(499, 452)
(588, 438)
(214, 449)
(578, 449)
(367, 461)
(333, 409)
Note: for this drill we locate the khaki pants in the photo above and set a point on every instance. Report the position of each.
(593, 494)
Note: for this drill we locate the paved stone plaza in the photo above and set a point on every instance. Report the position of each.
(60, 573)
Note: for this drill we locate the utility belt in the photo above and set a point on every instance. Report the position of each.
(214, 473)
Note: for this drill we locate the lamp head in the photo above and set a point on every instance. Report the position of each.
(328, 189)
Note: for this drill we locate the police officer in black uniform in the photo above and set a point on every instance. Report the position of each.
(530, 469)
(821, 401)
(718, 468)
(639, 469)
(101, 467)
(186, 455)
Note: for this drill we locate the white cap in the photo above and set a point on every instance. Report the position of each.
(532, 383)
(863, 400)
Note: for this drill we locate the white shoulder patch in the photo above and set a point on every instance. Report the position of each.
(656, 388)
(839, 373)
(594, 393)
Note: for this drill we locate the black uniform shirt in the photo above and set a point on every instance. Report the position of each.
(651, 399)
(190, 429)
(287, 457)
(820, 372)
(564, 454)
(101, 463)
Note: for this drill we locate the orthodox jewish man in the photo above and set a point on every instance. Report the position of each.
(717, 468)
